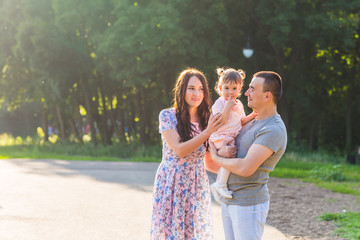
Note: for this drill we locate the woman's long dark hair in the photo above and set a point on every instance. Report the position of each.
(184, 126)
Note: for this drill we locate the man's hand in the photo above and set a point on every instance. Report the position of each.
(227, 151)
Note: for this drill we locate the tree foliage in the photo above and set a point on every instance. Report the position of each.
(109, 66)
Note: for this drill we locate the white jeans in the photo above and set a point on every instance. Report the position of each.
(244, 223)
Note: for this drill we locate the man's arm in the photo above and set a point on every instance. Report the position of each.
(244, 167)
(225, 151)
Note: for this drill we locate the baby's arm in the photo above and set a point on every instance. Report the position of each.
(223, 107)
(227, 108)
(248, 118)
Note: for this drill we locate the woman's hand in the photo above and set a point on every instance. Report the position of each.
(215, 122)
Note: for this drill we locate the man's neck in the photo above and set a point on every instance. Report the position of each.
(265, 113)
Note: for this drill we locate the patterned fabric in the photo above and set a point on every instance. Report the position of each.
(181, 200)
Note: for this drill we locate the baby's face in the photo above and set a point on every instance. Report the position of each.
(231, 90)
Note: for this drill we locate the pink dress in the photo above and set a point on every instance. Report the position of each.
(181, 200)
(230, 130)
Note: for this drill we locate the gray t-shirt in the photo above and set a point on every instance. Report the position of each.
(252, 190)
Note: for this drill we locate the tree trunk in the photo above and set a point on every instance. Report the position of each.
(79, 117)
(132, 128)
(169, 86)
(106, 131)
(113, 127)
(142, 112)
(311, 135)
(147, 119)
(61, 123)
(74, 130)
(348, 123)
(89, 113)
(349, 110)
(122, 125)
(320, 134)
(45, 124)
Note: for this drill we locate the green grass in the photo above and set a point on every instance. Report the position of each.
(340, 177)
(74, 151)
(348, 224)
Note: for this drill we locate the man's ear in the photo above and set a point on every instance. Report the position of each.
(268, 96)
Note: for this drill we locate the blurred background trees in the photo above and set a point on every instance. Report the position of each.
(104, 69)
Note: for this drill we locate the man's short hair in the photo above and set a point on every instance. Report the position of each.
(272, 83)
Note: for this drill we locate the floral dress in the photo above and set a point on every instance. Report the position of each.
(181, 200)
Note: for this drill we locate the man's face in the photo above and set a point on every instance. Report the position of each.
(255, 93)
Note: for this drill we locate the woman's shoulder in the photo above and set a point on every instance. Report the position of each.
(167, 113)
(167, 119)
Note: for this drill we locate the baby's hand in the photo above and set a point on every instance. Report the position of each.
(230, 103)
(254, 114)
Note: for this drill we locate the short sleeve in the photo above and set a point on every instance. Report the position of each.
(167, 120)
(218, 106)
(270, 136)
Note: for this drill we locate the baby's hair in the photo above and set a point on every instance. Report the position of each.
(229, 75)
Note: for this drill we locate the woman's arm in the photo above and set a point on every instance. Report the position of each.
(182, 149)
(210, 164)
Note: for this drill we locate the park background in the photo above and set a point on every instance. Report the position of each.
(105, 69)
(86, 79)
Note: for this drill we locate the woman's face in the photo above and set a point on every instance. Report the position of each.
(194, 94)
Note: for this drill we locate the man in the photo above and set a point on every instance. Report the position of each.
(259, 145)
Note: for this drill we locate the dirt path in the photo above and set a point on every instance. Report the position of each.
(296, 205)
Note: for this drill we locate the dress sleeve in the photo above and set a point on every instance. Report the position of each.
(218, 106)
(167, 120)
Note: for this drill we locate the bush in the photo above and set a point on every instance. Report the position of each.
(328, 173)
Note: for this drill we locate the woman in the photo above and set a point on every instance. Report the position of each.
(181, 201)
